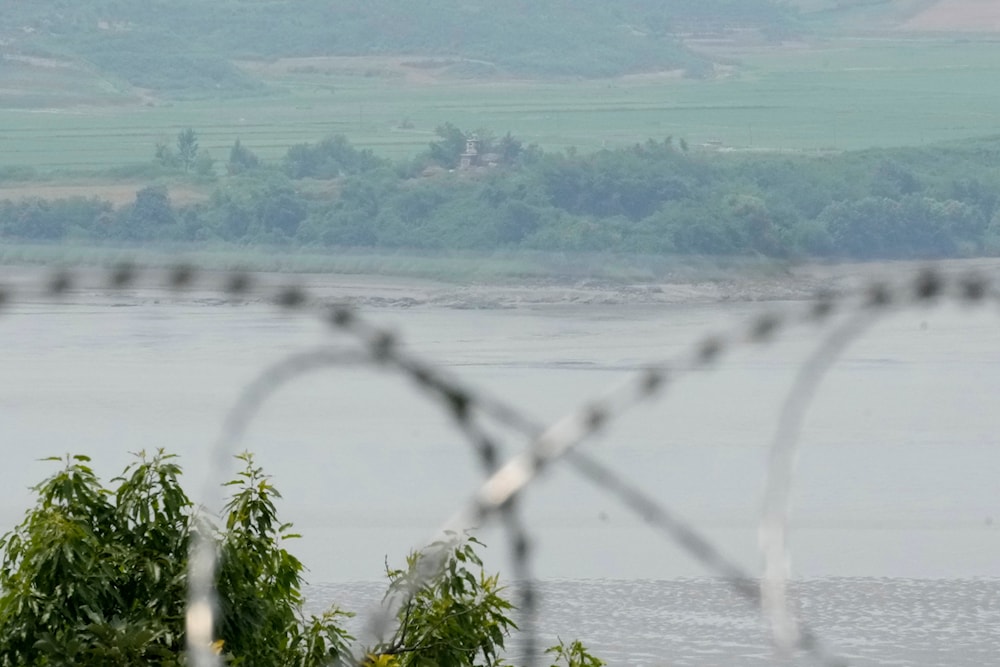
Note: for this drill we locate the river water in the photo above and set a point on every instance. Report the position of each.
(896, 510)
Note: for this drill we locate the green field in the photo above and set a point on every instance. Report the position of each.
(837, 94)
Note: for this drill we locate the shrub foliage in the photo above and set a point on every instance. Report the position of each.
(97, 576)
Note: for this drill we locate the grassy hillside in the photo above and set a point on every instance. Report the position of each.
(832, 96)
(173, 45)
(94, 115)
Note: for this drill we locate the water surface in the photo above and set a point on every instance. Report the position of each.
(897, 476)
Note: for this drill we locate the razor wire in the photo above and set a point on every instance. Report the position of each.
(546, 445)
(295, 365)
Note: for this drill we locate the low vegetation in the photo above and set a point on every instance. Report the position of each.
(656, 198)
(97, 576)
(187, 45)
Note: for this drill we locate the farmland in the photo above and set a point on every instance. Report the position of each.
(824, 94)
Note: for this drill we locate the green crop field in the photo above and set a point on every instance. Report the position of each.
(838, 94)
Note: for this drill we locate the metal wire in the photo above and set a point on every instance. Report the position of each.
(469, 409)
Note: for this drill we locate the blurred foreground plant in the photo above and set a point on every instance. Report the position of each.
(98, 576)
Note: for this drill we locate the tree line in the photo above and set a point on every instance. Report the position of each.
(659, 197)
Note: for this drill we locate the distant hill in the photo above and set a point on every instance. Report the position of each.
(176, 45)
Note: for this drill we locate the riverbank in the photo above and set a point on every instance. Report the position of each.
(470, 282)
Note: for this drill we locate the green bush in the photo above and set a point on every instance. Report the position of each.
(330, 158)
(97, 576)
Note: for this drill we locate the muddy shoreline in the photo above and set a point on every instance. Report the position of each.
(33, 283)
(792, 284)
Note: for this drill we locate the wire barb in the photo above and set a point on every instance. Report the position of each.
(472, 409)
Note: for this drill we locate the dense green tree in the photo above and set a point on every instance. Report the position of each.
(866, 228)
(350, 220)
(892, 179)
(509, 147)
(150, 217)
(515, 221)
(279, 213)
(204, 166)
(187, 148)
(260, 582)
(330, 158)
(241, 159)
(41, 219)
(166, 156)
(94, 576)
(442, 620)
(97, 577)
(447, 150)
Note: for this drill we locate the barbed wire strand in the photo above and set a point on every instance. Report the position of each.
(772, 529)
(383, 347)
(566, 433)
(200, 621)
(783, 452)
(558, 439)
(461, 404)
(694, 543)
(249, 404)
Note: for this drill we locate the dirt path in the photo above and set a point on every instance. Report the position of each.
(119, 194)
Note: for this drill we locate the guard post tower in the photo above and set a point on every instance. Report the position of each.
(470, 158)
